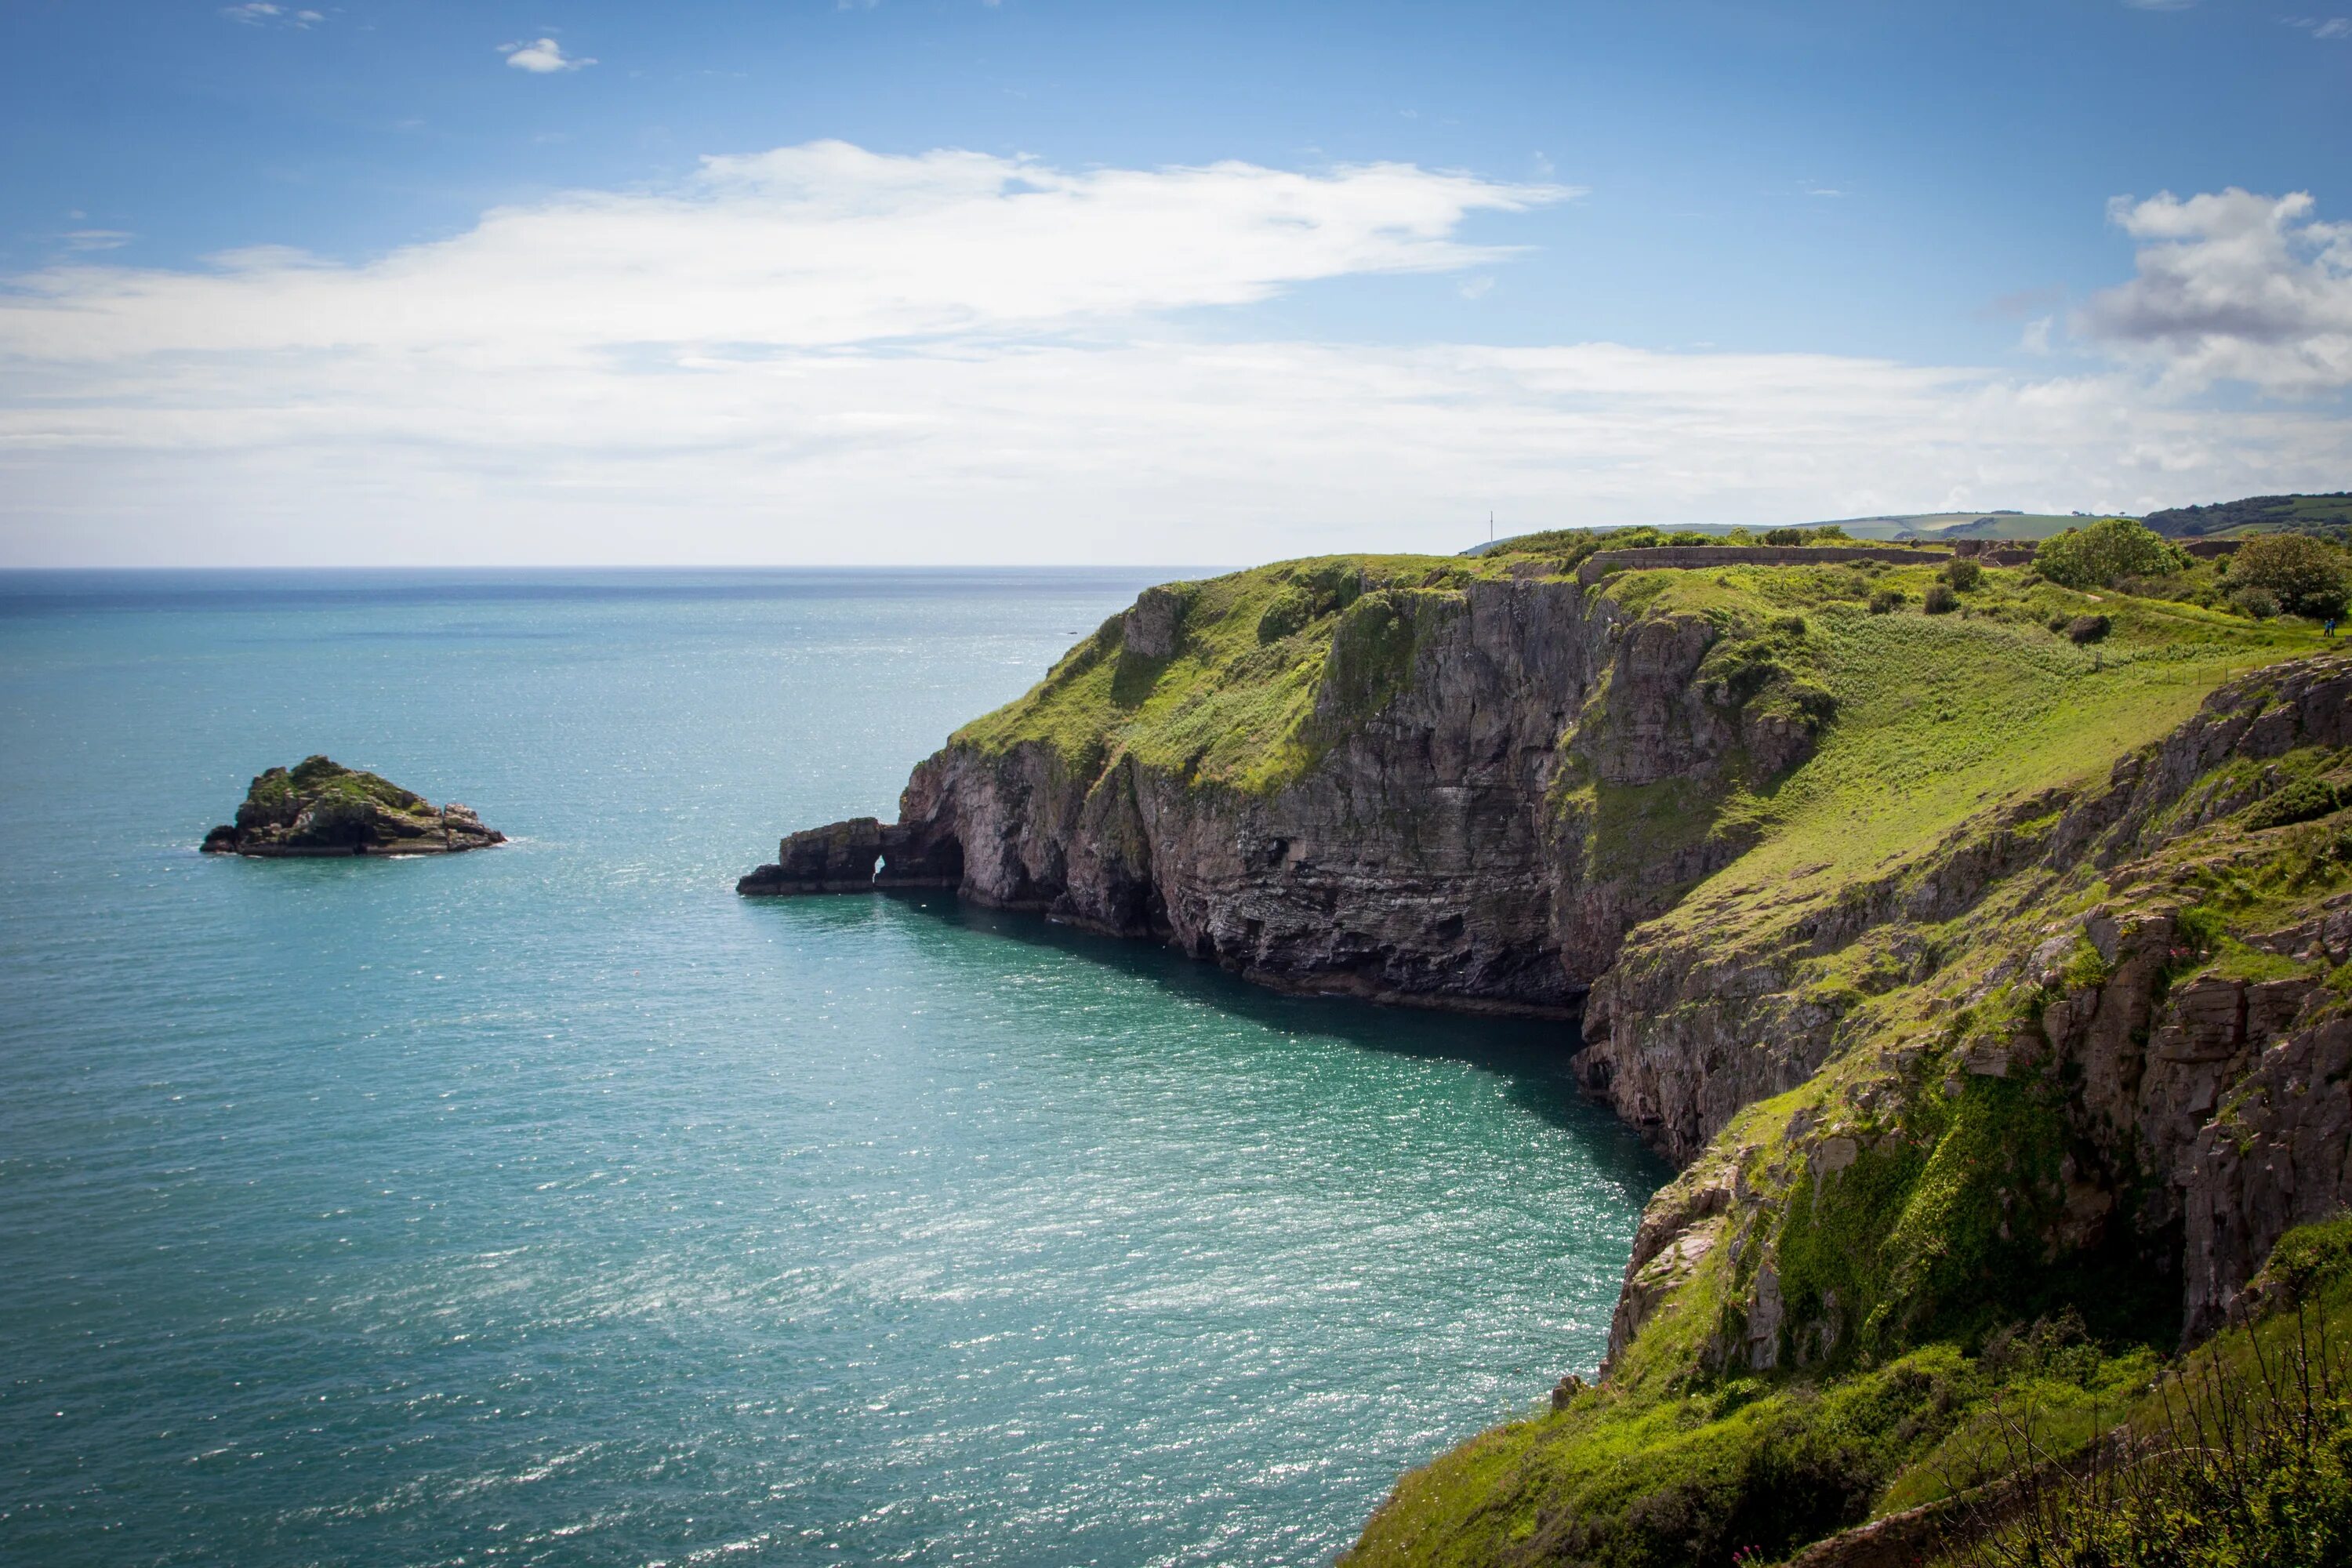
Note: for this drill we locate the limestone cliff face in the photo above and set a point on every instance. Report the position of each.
(2187, 1116)
(1435, 852)
(1511, 788)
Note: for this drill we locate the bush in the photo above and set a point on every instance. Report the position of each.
(1964, 575)
(2300, 801)
(1319, 591)
(1941, 600)
(2096, 556)
(2304, 576)
(2242, 1467)
(2248, 600)
(2088, 628)
(1886, 600)
(1291, 610)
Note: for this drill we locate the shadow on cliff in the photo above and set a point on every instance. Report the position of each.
(1530, 1057)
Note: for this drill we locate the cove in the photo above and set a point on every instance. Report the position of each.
(553, 1205)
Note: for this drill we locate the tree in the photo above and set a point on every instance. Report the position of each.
(2112, 548)
(2306, 577)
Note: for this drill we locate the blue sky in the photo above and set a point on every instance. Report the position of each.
(1137, 282)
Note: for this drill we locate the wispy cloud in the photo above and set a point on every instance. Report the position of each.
(2337, 27)
(262, 14)
(543, 56)
(86, 239)
(974, 358)
(2232, 286)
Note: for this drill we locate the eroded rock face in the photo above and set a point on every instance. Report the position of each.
(2207, 1114)
(1451, 847)
(319, 807)
(1435, 855)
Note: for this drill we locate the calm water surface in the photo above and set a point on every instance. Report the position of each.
(553, 1205)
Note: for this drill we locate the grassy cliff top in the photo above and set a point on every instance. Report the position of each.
(1233, 704)
(1946, 717)
(1938, 715)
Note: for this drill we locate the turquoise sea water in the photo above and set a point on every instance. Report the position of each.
(551, 1204)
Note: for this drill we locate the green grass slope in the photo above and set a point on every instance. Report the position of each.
(1942, 728)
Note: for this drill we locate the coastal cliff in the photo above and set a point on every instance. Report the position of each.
(1981, 970)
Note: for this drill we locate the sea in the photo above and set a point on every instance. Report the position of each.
(553, 1205)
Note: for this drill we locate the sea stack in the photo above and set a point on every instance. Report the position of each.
(321, 807)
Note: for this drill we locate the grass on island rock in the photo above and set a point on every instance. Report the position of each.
(319, 778)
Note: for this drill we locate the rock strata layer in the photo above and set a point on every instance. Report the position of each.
(1440, 854)
(319, 807)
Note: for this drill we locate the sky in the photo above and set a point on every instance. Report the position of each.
(946, 282)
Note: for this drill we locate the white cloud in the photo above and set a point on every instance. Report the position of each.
(541, 57)
(803, 247)
(2322, 27)
(261, 13)
(2232, 286)
(97, 238)
(821, 353)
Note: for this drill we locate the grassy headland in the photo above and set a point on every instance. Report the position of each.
(1868, 1274)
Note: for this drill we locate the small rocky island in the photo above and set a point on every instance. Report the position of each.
(321, 807)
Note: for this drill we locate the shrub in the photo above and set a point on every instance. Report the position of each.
(1886, 600)
(2299, 802)
(2096, 556)
(1291, 610)
(2198, 929)
(2088, 628)
(1941, 600)
(2245, 1465)
(1784, 536)
(1964, 575)
(2248, 600)
(2304, 575)
(1319, 591)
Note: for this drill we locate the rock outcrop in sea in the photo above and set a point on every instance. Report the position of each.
(1973, 977)
(319, 807)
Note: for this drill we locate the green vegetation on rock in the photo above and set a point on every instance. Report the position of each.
(321, 807)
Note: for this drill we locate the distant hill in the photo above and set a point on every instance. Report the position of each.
(1892, 525)
(1961, 525)
(2264, 514)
